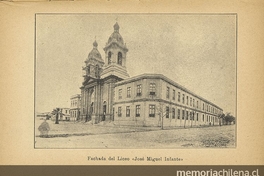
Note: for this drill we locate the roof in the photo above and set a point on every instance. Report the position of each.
(76, 96)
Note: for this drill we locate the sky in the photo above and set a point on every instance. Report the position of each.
(198, 51)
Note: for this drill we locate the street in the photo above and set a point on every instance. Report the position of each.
(87, 136)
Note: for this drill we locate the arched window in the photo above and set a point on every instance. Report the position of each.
(119, 58)
(91, 108)
(97, 71)
(88, 70)
(109, 57)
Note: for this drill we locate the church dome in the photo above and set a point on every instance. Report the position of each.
(95, 54)
(116, 37)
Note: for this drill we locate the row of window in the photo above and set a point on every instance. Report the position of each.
(192, 100)
(119, 58)
(188, 101)
(152, 112)
(138, 91)
(74, 103)
(119, 111)
(73, 113)
(96, 71)
(152, 91)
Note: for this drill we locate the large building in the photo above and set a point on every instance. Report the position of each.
(109, 94)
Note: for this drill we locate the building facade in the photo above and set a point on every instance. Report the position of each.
(109, 94)
(75, 107)
(155, 100)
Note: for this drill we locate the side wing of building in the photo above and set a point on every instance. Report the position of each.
(155, 100)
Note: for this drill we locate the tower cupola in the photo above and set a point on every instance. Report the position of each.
(95, 54)
(93, 64)
(115, 55)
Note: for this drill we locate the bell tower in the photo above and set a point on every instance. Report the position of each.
(91, 90)
(115, 56)
(93, 64)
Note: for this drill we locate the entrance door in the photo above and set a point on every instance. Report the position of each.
(104, 112)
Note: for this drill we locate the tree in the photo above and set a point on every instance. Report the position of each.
(221, 118)
(229, 118)
(160, 113)
(57, 112)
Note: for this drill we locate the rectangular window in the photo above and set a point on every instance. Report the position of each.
(203, 106)
(151, 110)
(190, 101)
(128, 111)
(197, 104)
(183, 98)
(139, 90)
(119, 113)
(167, 112)
(152, 89)
(183, 114)
(173, 95)
(173, 113)
(128, 92)
(120, 94)
(179, 113)
(187, 114)
(203, 117)
(168, 93)
(197, 117)
(137, 110)
(187, 100)
(179, 96)
(193, 103)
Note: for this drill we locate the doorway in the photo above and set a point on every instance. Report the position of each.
(104, 112)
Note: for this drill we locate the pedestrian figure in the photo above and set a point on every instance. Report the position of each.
(44, 129)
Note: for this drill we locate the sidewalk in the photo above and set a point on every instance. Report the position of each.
(65, 128)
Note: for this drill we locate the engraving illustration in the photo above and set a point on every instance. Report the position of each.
(135, 81)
